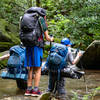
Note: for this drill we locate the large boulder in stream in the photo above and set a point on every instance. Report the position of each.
(91, 57)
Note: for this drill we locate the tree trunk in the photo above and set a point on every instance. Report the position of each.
(38, 3)
(29, 2)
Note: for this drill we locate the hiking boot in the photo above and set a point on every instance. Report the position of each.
(60, 97)
(49, 90)
(28, 93)
(36, 93)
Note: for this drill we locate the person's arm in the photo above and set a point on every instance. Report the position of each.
(47, 36)
(72, 60)
(77, 58)
(44, 27)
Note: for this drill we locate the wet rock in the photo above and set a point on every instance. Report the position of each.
(44, 96)
(91, 57)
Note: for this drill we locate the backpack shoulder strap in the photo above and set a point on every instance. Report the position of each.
(42, 24)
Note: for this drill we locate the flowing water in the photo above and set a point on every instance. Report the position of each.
(9, 90)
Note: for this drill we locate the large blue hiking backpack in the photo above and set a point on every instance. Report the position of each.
(15, 63)
(57, 58)
(31, 33)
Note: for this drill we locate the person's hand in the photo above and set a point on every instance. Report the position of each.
(52, 39)
(79, 54)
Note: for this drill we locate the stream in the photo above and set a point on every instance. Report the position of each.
(9, 90)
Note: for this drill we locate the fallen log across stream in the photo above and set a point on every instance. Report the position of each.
(6, 56)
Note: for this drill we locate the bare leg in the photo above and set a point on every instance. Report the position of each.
(37, 76)
(30, 72)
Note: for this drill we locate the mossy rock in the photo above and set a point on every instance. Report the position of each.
(9, 35)
(3, 63)
(6, 45)
(47, 96)
(8, 32)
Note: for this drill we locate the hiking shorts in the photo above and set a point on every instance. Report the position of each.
(33, 56)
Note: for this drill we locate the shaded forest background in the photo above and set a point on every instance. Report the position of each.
(77, 19)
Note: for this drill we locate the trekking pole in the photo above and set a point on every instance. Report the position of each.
(50, 41)
(84, 77)
(82, 67)
(50, 44)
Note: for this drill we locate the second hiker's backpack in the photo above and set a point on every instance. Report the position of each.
(57, 58)
(30, 28)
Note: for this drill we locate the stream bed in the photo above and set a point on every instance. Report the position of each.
(9, 90)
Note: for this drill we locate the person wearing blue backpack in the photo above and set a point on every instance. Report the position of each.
(33, 28)
(57, 86)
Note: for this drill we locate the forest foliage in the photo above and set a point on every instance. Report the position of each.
(77, 19)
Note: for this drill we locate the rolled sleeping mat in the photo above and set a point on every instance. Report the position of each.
(70, 73)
